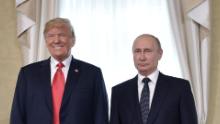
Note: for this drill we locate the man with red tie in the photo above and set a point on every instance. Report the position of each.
(61, 89)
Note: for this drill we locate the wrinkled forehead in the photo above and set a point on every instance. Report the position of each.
(144, 41)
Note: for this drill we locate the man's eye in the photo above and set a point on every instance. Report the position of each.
(62, 35)
(148, 50)
(137, 51)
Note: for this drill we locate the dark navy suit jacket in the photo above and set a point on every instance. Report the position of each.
(172, 103)
(84, 100)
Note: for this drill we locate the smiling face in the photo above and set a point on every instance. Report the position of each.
(59, 39)
(146, 54)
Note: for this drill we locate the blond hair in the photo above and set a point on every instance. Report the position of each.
(57, 22)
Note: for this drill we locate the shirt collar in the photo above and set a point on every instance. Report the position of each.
(153, 76)
(66, 62)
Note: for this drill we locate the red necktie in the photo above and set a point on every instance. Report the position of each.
(57, 92)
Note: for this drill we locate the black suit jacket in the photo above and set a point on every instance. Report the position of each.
(84, 100)
(172, 103)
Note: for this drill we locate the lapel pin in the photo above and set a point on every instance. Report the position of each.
(76, 70)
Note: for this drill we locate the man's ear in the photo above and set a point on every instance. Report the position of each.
(160, 53)
(73, 41)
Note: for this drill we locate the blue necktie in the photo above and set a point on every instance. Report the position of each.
(145, 100)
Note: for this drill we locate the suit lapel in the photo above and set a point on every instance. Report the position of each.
(71, 82)
(72, 78)
(162, 87)
(135, 102)
(46, 78)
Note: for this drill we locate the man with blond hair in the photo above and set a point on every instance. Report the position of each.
(61, 89)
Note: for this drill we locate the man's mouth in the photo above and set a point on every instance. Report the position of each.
(57, 47)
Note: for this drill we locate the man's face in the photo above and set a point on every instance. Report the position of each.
(146, 54)
(59, 41)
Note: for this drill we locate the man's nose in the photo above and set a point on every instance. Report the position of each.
(56, 38)
(142, 56)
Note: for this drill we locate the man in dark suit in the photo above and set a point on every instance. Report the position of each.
(151, 97)
(79, 94)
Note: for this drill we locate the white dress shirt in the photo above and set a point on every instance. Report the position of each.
(65, 69)
(152, 84)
